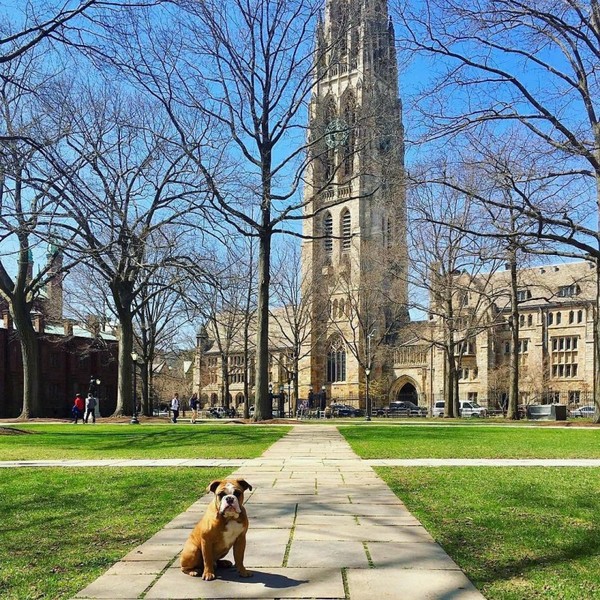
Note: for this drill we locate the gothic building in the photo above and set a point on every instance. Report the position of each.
(355, 209)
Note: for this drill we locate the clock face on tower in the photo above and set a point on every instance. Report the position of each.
(336, 133)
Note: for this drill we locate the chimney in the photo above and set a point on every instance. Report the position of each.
(38, 322)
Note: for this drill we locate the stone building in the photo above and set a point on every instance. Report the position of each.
(70, 353)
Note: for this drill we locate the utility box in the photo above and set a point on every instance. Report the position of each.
(547, 412)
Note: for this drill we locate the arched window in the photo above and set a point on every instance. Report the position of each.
(346, 228)
(336, 362)
(328, 234)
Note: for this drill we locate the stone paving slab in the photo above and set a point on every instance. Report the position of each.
(118, 586)
(408, 555)
(410, 584)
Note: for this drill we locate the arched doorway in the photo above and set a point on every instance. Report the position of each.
(408, 393)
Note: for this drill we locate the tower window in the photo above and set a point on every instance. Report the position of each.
(336, 362)
(349, 146)
(328, 233)
(346, 231)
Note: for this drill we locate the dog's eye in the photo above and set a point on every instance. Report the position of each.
(237, 493)
(221, 495)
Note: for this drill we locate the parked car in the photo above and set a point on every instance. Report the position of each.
(583, 411)
(403, 408)
(438, 409)
(338, 409)
(471, 409)
(466, 409)
(218, 412)
(161, 411)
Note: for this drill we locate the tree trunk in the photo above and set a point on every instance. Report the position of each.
(31, 362)
(263, 408)
(596, 314)
(513, 391)
(124, 386)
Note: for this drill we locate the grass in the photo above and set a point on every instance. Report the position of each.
(62, 528)
(517, 532)
(435, 441)
(138, 441)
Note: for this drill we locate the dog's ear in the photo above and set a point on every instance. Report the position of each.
(213, 485)
(244, 484)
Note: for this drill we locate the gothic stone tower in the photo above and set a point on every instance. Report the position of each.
(355, 230)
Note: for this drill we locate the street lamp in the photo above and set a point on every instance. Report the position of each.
(368, 403)
(134, 419)
(290, 377)
(93, 385)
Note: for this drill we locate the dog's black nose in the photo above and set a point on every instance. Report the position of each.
(230, 499)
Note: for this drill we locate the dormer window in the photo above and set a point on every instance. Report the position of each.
(523, 295)
(568, 291)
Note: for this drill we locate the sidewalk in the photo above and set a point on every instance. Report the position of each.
(322, 525)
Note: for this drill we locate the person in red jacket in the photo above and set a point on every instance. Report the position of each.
(78, 407)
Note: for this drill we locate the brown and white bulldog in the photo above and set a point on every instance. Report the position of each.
(223, 525)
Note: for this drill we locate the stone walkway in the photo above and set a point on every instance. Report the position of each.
(323, 525)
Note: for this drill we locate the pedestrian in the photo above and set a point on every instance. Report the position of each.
(77, 408)
(175, 407)
(194, 406)
(90, 408)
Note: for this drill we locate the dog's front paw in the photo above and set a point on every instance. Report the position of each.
(244, 572)
(193, 573)
(208, 576)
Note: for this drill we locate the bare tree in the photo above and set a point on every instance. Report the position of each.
(532, 64)
(450, 275)
(131, 198)
(27, 208)
(293, 317)
(247, 70)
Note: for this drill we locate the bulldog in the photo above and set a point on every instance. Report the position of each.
(223, 525)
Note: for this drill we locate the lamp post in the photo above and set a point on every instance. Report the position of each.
(368, 403)
(134, 419)
(93, 388)
(280, 411)
(367, 373)
(290, 377)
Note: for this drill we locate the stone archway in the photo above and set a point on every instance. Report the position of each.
(405, 389)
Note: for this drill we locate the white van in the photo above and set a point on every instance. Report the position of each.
(467, 409)
(438, 409)
(471, 409)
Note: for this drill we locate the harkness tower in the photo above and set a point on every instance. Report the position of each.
(355, 257)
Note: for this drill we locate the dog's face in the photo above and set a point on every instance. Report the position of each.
(229, 496)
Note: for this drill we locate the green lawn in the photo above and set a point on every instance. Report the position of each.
(437, 441)
(62, 528)
(519, 533)
(138, 441)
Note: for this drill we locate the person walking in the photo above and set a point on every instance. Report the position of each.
(77, 408)
(175, 407)
(90, 408)
(194, 406)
